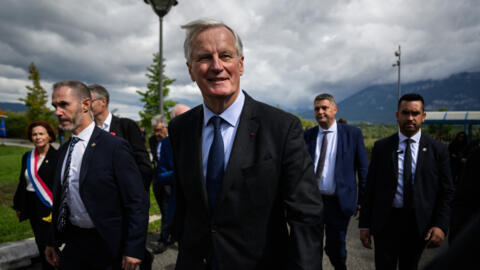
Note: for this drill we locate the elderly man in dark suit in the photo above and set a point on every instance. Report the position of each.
(100, 209)
(409, 192)
(339, 154)
(242, 171)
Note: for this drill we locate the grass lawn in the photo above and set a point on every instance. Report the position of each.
(10, 165)
(10, 228)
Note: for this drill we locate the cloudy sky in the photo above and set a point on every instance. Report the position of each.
(293, 49)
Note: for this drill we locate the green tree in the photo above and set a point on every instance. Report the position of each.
(150, 97)
(36, 99)
(16, 125)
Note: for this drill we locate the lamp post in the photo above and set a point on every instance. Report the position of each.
(398, 54)
(161, 8)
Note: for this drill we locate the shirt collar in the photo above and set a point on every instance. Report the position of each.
(230, 115)
(415, 138)
(86, 133)
(332, 128)
(107, 122)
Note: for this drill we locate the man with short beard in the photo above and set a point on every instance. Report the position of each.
(409, 192)
(100, 209)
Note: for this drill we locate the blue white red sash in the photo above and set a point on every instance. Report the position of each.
(43, 192)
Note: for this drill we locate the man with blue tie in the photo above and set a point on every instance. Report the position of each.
(409, 192)
(100, 208)
(340, 157)
(242, 172)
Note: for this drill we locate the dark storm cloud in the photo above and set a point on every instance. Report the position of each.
(293, 49)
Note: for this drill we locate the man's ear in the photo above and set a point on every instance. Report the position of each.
(86, 103)
(190, 71)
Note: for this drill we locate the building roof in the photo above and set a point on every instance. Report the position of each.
(453, 117)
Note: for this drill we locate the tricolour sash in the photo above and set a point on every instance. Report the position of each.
(43, 192)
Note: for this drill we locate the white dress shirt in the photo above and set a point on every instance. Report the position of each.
(414, 144)
(78, 213)
(107, 123)
(231, 117)
(327, 183)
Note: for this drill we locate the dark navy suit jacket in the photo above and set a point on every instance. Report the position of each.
(112, 192)
(433, 188)
(351, 160)
(165, 173)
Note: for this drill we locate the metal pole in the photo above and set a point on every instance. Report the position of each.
(160, 69)
(398, 63)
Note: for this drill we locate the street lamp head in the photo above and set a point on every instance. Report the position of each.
(161, 7)
(397, 53)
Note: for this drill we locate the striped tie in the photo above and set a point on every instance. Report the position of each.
(321, 158)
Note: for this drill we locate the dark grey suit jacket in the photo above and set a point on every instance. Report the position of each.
(433, 188)
(268, 182)
(128, 129)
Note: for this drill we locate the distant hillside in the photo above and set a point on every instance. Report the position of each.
(377, 104)
(14, 107)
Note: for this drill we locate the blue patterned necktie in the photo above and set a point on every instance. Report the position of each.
(216, 161)
(63, 211)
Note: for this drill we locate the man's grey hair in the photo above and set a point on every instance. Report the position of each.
(195, 27)
(327, 97)
(79, 88)
(159, 119)
(99, 91)
(177, 109)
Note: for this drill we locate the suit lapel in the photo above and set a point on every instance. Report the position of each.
(312, 142)
(394, 150)
(96, 135)
(243, 146)
(193, 142)
(57, 183)
(115, 126)
(341, 148)
(422, 150)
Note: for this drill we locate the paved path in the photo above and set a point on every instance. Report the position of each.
(358, 258)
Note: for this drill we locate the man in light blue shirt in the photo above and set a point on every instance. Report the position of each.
(242, 172)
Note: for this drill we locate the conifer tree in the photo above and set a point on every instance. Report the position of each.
(37, 98)
(150, 97)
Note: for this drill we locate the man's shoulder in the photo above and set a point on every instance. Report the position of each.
(123, 121)
(266, 113)
(386, 141)
(434, 143)
(349, 128)
(311, 132)
(104, 139)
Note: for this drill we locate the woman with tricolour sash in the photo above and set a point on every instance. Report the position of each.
(33, 198)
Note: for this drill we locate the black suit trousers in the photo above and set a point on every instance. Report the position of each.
(85, 249)
(399, 242)
(40, 228)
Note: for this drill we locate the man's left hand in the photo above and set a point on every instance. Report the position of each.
(130, 263)
(434, 237)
